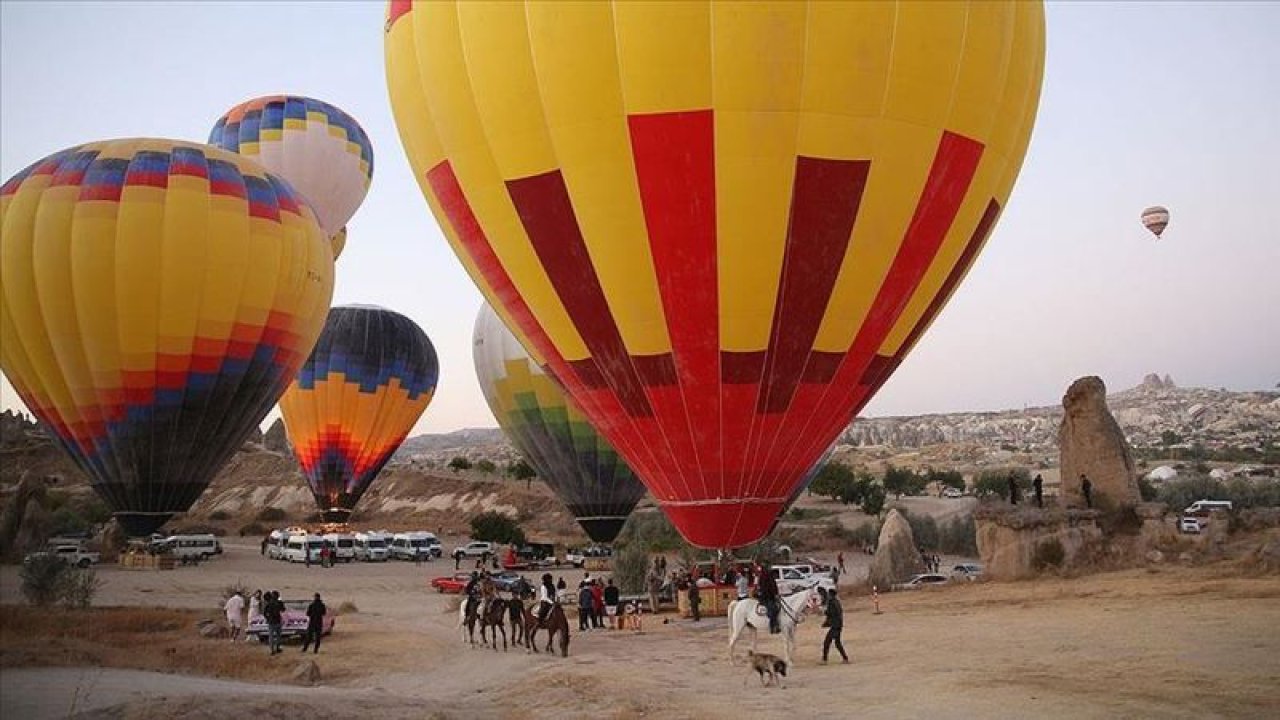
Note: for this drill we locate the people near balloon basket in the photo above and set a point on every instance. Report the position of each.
(611, 599)
(597, 604)
(584, 607)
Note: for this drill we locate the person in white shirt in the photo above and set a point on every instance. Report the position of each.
(235, 612)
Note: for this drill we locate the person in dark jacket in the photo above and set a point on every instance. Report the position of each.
(834, 623)
(611, 597)
(585, 612)
(273, 613)
(1086, 488)
(315, 624)
(695, 600)
(767, 594)
(1037, 486)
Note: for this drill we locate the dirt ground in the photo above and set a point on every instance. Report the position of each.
(1166, 641)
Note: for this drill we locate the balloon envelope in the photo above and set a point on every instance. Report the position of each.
(317, 147)
(371, 376)
(720, 226)
(156, 297)
(554, 437)
(1155, 219)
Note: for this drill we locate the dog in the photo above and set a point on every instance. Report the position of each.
(766, 664)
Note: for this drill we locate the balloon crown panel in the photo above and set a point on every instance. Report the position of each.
(720, 226)
(158, 297)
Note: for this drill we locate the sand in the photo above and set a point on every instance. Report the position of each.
(1169, 642)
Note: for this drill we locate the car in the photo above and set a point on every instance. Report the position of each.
(453, 584)
(952, 493)
(476, 548)
(294, 624)
(70, 554)
(923, 580)
(793, 579)
(1189, 525)
(203, 546)
(967, 571)
(507, 581)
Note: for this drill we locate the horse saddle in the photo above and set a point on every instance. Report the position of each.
(762, 610)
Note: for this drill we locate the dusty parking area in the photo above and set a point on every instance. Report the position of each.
(1170, 642)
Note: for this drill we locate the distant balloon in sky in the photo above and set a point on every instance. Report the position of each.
(1155, 219)
(720, 226)
(371, 376)
(317, 147)
(554, 437)
(156, 297)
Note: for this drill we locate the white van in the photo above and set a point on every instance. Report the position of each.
(412, 545)
(1202, 508)
(343, 546)
(275, 544)
(372, 546)
(299, 546)
(192, 546)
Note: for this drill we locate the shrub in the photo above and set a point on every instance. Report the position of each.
(485, 466)
(945, 478)
(924, 529)
(270, 514)
(44, 578)
(651, 531)
(1147, 490)
(1049, 553)
(459, 463)
(66, 521)
(996, 482)
(959, 536)
(630, 566)
(219, 515)
(80, 587)
(497, 527)
(868, 533)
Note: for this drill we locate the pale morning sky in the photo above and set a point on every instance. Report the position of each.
(1175, 104)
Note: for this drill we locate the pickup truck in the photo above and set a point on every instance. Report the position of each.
(72, 554)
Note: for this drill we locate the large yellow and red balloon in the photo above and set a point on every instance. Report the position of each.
(719, 225)
(156, 297)
(371, 376)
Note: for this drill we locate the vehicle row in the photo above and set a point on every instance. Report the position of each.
(299, 545)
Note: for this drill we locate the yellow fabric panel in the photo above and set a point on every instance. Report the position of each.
(93, 250)
(1022, 93)
(664, 55)
(495, 43)
(181, 267)
(56, 297)
(139, 245)
(902, 160)
(984, 65)
(847, 57)
(928, 39)
(446, 81)
(228, 264)
(757, 95)
(577, 66)
(414, 123)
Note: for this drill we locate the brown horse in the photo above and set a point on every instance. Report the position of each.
(493, 617)
(515, 607)
(556, 623)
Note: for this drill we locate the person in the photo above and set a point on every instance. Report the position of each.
(834, 623)
(767, 594)
(611, 597)
(632, 620)
(472, 592)
(654, 587)
(597, 604)
(840, 562)
(584, 608)
(1086, 487)
(255, 605)
(1037, 486)
(264, 546)
(234, 609)
(324, 554)
(273, 612)
(457, 558)
(695, 601)
(1013, 490)
(315, 624)
(547, 597)
(306, 553)
(743, 586)
(835, 575)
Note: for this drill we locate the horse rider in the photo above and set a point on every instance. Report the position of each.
(767, 594)
(546, 598)
(472, 591)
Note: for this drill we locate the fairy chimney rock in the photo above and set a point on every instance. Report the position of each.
(1091, 444)
(897, 558)
(275, 440)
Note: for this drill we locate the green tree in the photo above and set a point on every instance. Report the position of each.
(996, 482)
(1169, 437)
(497, 527)
(900, 481)
(485, 466)
(459, 463)
(873, 497)
(44, 578)
(521, 470)
(945, 478)
(832, 480)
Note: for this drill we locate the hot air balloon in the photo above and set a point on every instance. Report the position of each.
(720, 226)
(802, 486)
(317, 147)
(1155, 219)
(156, 297)
(553, 436)
(371, 376)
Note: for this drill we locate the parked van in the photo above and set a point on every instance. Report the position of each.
(301, 545)
(413, 545)
(275, 544)
(1202, 508)
(343, 546)
(372, 546)
(191, 546)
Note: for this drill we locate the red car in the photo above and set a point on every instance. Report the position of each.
(454, 583)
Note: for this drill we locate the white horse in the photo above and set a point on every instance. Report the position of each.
(743, 614)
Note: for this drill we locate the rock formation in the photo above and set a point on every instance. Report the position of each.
(1092, 444)
(255, 436)
(897, 558)
(275, 440)
(307, 673)
(29, 488)
(1021, 543)
(34, 529)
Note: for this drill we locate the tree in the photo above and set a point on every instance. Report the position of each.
(901, 481)
(520, 470)
(497, 527)
(485, 466)
(459, 463)
(1169, 437)
(873, 497)
(945, 478)
(996, 482)
(832, 481)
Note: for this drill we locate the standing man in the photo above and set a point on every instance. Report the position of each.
(584, 607)
(234, 609)
(1013, 490)
(273, 613)
(1037, 486)
(457, 558)
(597, 604)
(840, 562)
(654, 587)
(315, 624)
(695, 600)
(834, 623)
(1086, 487)
(767, 594)
(611, 597)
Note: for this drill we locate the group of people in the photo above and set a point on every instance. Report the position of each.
(271, 608)
(597, 604)
(932, 562)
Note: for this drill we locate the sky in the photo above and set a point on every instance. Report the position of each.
(1172, 104)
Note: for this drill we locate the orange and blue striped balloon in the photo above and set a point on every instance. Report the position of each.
(156, 297)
